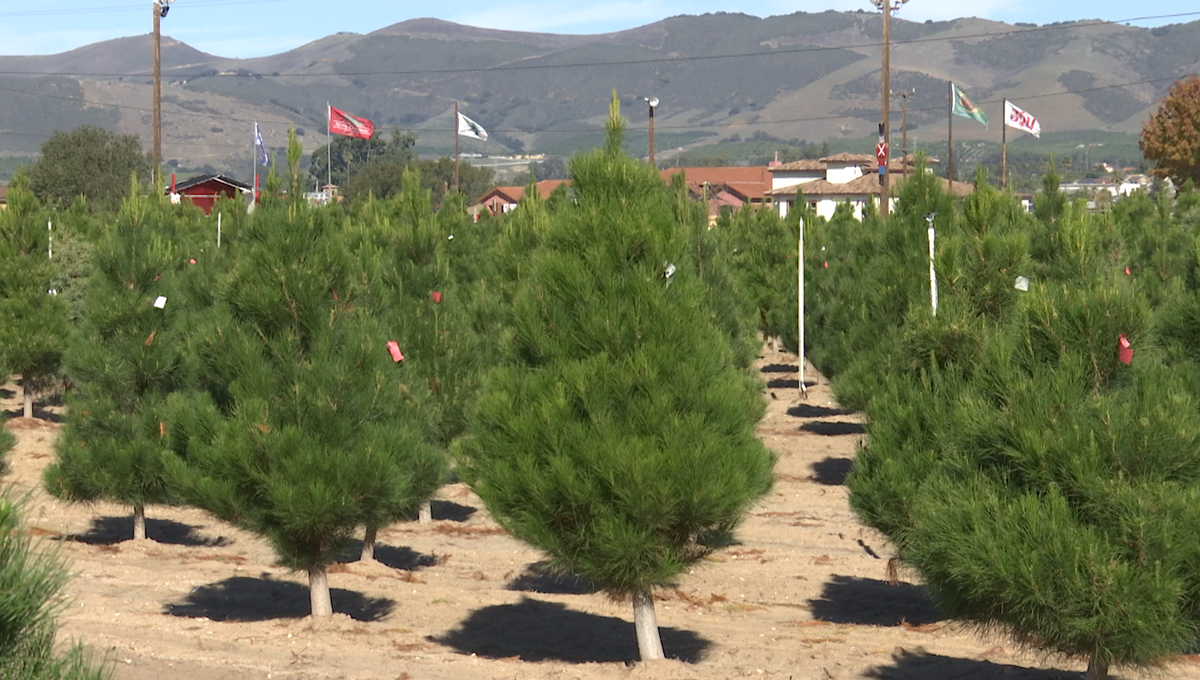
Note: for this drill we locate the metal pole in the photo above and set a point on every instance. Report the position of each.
(456, 145)
(904, 131)
(157, 151)
(950, 138)
(1004, 150)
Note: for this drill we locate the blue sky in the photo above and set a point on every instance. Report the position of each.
(251, 28)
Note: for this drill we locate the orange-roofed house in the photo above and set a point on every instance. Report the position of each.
(502, 199)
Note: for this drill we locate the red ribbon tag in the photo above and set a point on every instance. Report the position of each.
(1124, 350)
(435, 296)
(394, 348)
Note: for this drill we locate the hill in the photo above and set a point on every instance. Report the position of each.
(800, 77)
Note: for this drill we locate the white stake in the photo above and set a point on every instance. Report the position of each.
(50, 243)
(800, 314)
(932, 272)
(218, 230)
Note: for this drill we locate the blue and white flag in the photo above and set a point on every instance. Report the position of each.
(259, 146)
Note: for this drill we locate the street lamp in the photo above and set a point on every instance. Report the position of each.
(881, 151)
(653, 102)
(159, 9)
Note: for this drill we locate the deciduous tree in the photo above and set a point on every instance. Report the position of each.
(1171, 138)
(90, 162)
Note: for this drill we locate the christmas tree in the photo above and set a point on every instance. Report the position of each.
(31, 582)
(306, 430)
(127, 360)
(620, 440)
(33, 319)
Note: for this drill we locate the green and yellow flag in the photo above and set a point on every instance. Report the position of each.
(960, 105)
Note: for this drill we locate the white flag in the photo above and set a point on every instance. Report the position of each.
(1016, 117)
(469, 128)
(260, 147)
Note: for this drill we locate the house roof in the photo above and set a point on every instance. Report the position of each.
(515, 194)
(749, 181)
(202, 179)
(803, 165)
(859, 186)
(849, 158)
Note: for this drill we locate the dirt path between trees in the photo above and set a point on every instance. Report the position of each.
(801, 596)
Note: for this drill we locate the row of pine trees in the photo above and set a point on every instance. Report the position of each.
(322, 371)
(583, 363)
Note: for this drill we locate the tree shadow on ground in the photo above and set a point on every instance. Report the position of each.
(908, 665)
(783, 384)
(827, 428)
(831, 471)
(540, 577)
(810, 411)
(113, 530)
(535, 630)
(396, 557)
(448, 511)
(780, 368)
(868, 602)
(7, 393)
(39, 413)
(243, 598)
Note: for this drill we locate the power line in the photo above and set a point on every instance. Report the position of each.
(635, 62)
(121, 8)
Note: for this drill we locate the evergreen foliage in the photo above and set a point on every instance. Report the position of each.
(127, 360)
(31, 582)
(87, 162)
(621, 439)
(33, 319)
(306, 429)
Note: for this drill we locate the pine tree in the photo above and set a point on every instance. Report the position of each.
(127, 360)
(33, 320)
(621, 439)
(31, 582)
(306, 430)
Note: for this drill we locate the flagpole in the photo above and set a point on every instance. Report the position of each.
(1004, 149)
(456, 145)
(254, 171)
(328, 145)
(950, 140)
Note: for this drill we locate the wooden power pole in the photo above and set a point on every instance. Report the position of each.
(157, 151)
(881, 149)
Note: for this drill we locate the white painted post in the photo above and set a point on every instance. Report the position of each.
(50, 243)
(932, 272)
(800, 314)
(218, 230)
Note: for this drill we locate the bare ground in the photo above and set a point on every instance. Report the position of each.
(803, 594)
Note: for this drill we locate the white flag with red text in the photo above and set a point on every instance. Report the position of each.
(1016, 117)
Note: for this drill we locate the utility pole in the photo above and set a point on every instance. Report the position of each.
(160, 9)
(881, 149)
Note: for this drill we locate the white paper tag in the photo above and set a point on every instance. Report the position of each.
(1021, 283)
(160, 302)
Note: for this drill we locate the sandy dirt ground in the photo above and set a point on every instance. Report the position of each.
(803, 595)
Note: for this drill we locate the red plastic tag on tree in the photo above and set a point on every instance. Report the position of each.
(827, 265)
(435, 296)
(335, 297)
(1124, 350)
(394, 348)
(1127, 272)
(191, 260)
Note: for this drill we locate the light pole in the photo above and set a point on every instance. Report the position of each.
(881, 150)
(653, 102)
(160, 9)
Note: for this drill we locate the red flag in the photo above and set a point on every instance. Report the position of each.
(435, 296)
(1124, 350)
(394, 348)
(342, 123)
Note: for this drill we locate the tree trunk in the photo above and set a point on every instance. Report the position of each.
(646, 625)
(425, 514)
(318, 592)
(1097, 669)
(368, 549)
(28, 397)
(139, 522)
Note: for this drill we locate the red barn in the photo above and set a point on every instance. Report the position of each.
(203, 190)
